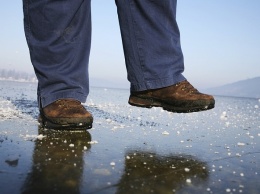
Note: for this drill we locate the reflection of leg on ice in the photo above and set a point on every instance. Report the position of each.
(146, 172)
(58, 162)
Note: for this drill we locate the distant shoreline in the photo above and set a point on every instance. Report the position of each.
(19, 80)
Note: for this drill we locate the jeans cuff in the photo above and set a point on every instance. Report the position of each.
(44, 101)
(159, 83)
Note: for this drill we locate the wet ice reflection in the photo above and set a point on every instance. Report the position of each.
(58, 167)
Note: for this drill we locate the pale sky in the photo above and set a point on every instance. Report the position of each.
(220, 41)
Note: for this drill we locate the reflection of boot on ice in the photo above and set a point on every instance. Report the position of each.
(57, 162)
(151, 173)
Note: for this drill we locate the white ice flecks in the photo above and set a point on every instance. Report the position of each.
(93, 142)
(223, 116)
(228, 190)
(238, 154)
(40, 136)
(188, 180)
(186, 169)
(112, 163)
(241, 144)
(165, 133)
(33, 137)
(71, 145)
(8, 110)
(108, 120)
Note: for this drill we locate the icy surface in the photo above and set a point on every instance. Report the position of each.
(129, 149)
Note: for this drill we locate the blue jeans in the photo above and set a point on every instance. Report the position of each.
(58, 34)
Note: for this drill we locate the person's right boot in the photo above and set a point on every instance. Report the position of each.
(65, 114)
(181, 98)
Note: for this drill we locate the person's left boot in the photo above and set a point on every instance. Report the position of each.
(65, 114)
(181, 98)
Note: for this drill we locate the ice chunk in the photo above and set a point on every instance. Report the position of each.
(40, 136)
(240, 144)
(223, 116)
(93, 142)
(112, 163)
(228, 190)
(12, 161)
(187, 169)
(165, 133)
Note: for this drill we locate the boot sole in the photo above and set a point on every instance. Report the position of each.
(64, 124)
(150, 102)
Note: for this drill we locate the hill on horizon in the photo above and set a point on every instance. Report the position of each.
(244, 88)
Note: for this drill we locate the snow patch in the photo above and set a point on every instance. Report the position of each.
(8, 110)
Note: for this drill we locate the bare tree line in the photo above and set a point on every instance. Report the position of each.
(6, 74)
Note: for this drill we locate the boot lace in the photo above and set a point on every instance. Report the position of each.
(186, 86)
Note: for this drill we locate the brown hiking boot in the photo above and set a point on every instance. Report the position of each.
(181, 98)
(66, 113)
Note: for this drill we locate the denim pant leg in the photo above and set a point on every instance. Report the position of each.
(151, 42)
(58, 34)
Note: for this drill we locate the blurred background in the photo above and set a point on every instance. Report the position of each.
(220, 42)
